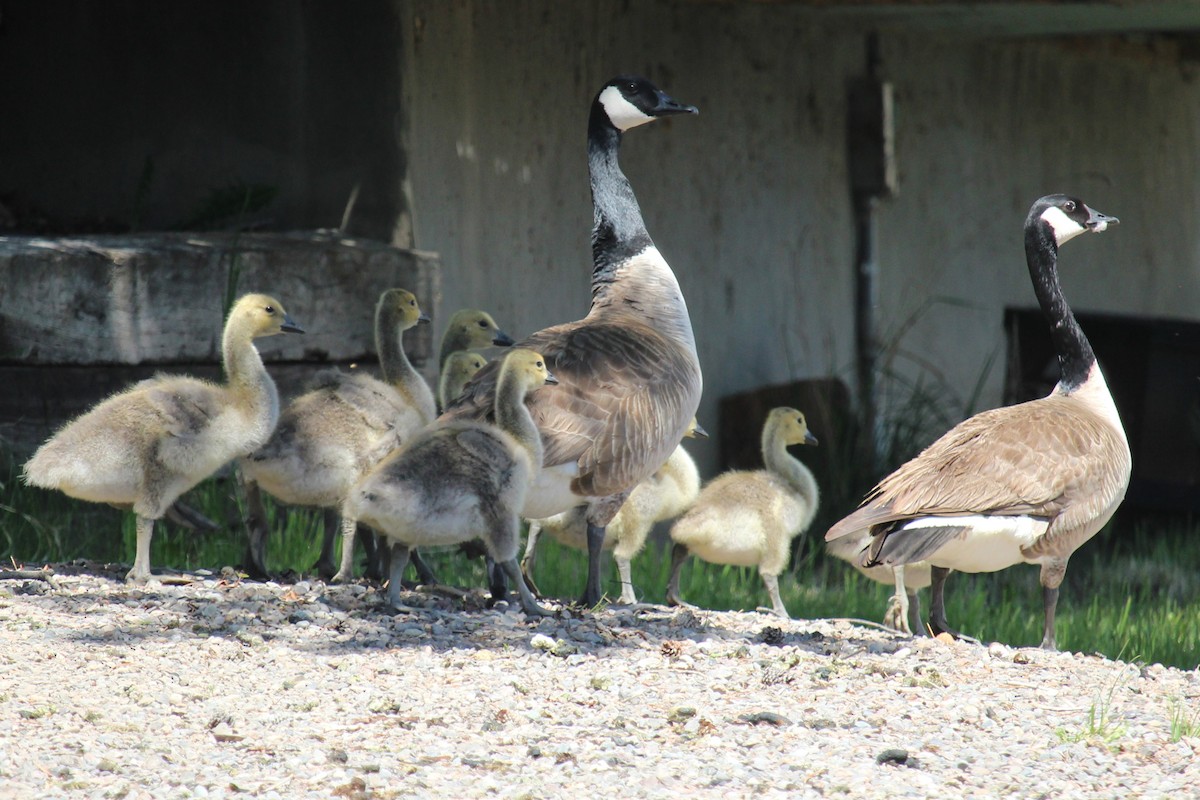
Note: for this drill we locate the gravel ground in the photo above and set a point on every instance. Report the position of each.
(225, 689)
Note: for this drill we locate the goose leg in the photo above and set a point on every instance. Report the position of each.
(529, 560)
(324, 566)
(595, 540)
(378, 553)
(255, 560)
(937, 607)
(1051, 578)
(772, 584)
(528, 604)
(628, 597)
(141, 561)
(679, 554)
(346, 570)
(400, 554)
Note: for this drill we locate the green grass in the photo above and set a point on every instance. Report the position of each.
(1129, 591)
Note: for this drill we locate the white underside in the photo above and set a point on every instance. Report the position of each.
(989, 544)
(551, 493)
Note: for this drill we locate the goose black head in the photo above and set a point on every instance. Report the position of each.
(628, 101)
(1068, 217)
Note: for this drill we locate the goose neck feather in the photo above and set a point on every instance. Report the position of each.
(513, 417)
(618, 230)
(249, 384)
(1075, 355)
(397, 370)
(781, 463)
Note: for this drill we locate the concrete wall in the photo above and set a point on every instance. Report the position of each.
(480, 109)
(749, 200)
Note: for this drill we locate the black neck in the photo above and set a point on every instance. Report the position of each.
(618, 231)
(1075, 356)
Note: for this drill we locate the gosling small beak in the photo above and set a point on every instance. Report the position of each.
(423, 317)
(289, 325)
(550, 378)
(502, 339)
(810, 439)
(698, 432)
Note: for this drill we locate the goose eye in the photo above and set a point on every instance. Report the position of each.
(632, 87)
(1069, 206)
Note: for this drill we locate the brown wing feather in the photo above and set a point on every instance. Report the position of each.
(1050, 458)
(625, 394)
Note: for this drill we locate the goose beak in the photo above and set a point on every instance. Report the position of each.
(502, 339)
(423, 317)
(668, 105)
(810, 439)
(698, 432)
(289, 325)
(550, 378)
(1097, 222)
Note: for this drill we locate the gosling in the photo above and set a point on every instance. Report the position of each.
(463, 480)
(750, 518)
(459, 367)
(144, 447)
(664, 495)
(470, 329)
(331, 436)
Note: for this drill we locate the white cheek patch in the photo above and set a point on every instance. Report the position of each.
(622, 113)
(1064, 227)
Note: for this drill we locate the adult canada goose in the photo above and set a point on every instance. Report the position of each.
(664, 495)
(629, 377)
(904, 610)
(144, 447)
(461, 480)
(333, 434)
(1026, 483)
(458, 368)
(749, 518)
(470, 329)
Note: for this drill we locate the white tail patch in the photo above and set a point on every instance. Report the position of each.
(1065, 228)
(622, 113)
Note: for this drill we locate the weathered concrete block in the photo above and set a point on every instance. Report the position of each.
(81, 318)
(159, 298)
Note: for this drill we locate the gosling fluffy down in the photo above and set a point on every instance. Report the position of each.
(332, 435)
(750, 518)
(463, 480)
(146, 446)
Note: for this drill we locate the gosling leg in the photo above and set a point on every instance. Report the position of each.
(772, 584)
(346, 570)
(896, 616)
(325, 566)
(141, 562)
(679, 554)
(529, 560)
(400, 554)
(255, 560)
(628, 597)
(528, 604)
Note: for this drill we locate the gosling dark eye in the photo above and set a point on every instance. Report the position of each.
(269, 309)
(482, 324)
(540, 365)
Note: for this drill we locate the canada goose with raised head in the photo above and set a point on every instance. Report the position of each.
(333, 434)
(1026, 483)
(748, 518)
(461, 480)
(629, 377)
(664, 495)
(144, 447)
